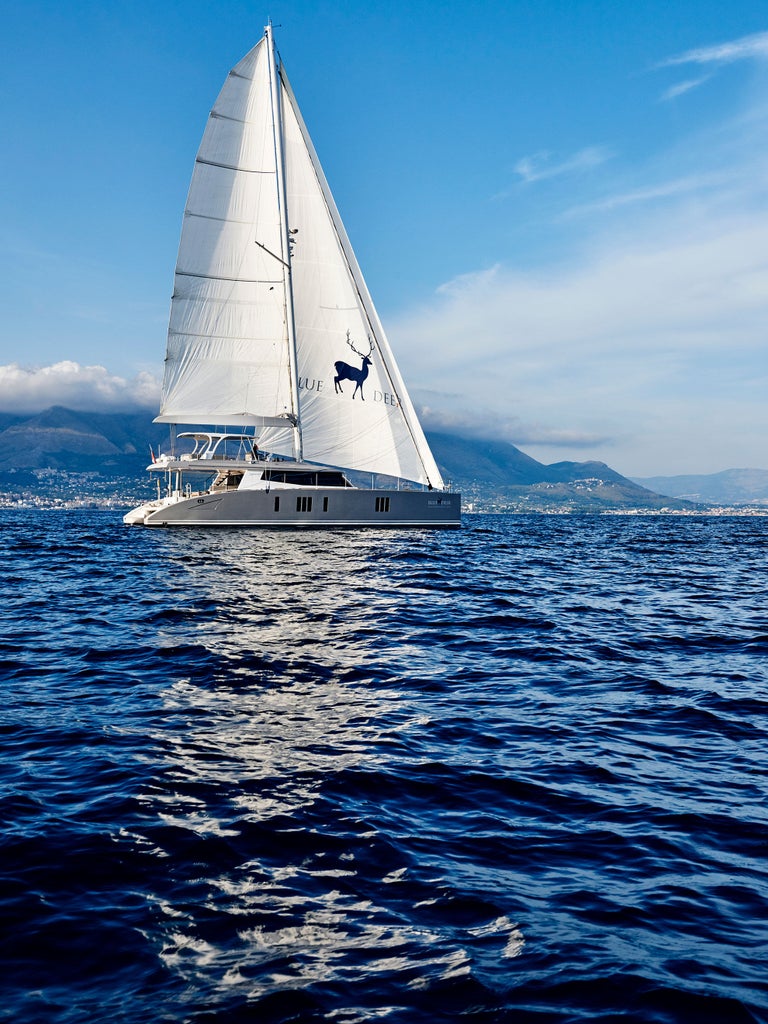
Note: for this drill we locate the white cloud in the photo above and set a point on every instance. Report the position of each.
(752, 47)
(683, 87)
(652, 333)
(450, 417)
(692, 185)
(644, 345)
(538, 167)
(29, 390)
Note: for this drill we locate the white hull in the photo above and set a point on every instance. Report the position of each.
(304, 507)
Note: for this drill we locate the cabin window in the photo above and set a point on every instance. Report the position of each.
(382, 504)
(277, 503)
(304, 503)
(325, 504)
(322, 479)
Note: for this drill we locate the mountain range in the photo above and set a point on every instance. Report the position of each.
(60, 438)
(498, 472)
(730, 487)
(109, 447)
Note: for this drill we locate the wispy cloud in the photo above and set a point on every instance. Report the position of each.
(683, 87)
(539, 166)
(29, 390)
(691, 185)
(752, 47)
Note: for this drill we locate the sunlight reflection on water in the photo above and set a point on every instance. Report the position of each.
(362, 776)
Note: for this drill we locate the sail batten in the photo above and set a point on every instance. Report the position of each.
(220, 220)
(232, 167)
(303, 346)
(239, 280)
(217, 115)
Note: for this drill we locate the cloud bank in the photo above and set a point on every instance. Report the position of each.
(30, 390)
(646, 345)
(459, 420)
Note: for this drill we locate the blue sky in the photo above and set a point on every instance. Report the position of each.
(560, 208)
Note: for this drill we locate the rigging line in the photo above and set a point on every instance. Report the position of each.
(363, 305)
(384, 365)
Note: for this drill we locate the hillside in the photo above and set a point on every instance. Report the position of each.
(60, 438)
(497, 474)
(62, 453)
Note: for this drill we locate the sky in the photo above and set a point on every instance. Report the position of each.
(560, 206)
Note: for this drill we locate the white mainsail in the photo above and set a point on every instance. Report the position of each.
(236, 290)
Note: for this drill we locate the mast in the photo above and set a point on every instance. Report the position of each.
(277, 123)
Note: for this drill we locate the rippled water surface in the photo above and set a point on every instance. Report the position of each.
(515, 773)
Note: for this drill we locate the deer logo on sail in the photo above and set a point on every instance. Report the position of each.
(346, 372)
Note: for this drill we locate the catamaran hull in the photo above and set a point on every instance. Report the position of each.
(307, 508)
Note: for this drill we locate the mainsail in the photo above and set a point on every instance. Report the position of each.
(264, 271)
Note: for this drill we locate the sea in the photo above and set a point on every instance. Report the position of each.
(512, 773)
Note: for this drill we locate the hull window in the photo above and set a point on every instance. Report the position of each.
(382, 504)
(304, 503)
(325, 504)
(277, 503)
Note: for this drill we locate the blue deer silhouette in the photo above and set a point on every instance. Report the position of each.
(346, 372)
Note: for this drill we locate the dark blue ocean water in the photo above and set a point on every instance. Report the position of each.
(515, 773)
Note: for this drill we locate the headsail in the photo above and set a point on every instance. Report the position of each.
(228, 346)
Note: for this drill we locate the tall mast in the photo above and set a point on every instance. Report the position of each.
(277, 123)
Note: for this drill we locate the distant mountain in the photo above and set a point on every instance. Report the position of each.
(7, 419)
(498, 473)
(60, 438)
(730, 487)
(491, 474)
(463, 459)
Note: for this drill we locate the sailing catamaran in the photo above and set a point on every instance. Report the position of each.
(275, 352)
